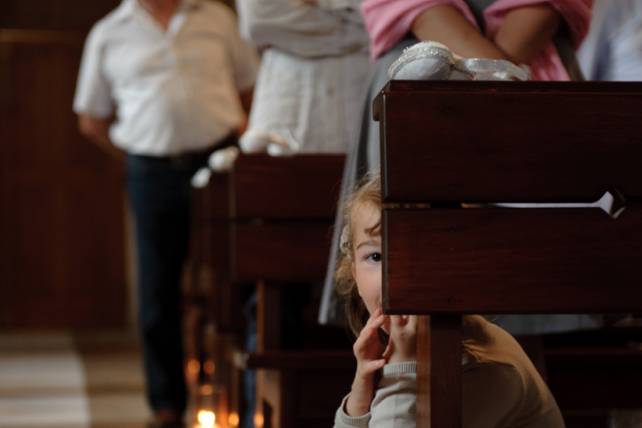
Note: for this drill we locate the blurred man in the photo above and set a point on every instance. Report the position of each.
(164, 82)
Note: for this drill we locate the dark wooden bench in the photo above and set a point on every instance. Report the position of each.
(282, 210)
(214, 322)
(208, 267)
(444, 143)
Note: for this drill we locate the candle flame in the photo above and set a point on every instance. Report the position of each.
(258, 420)
(206, 418)
(233, 419)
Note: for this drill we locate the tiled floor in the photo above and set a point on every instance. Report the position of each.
(56, 380)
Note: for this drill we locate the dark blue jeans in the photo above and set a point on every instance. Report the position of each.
(159, 192)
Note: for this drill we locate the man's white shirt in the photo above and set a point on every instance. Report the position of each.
(173, 90)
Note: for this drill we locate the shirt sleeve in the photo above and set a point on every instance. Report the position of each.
(343, 420)
(245, 59)
(246, 65)
(93, 90)
(394, 404)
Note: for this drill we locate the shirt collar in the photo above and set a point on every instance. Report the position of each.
(126, 9)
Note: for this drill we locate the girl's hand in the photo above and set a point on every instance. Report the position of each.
(402, 346)
(368, 351)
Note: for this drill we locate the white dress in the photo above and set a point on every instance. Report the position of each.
(314, 71)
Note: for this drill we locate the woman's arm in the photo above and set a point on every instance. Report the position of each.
(526, 31)
(446, 24)
(522, 36)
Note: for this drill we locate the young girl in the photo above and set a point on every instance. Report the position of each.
(501, 387)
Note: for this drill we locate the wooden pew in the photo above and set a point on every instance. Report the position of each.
(209, 272)
(214, 321)
(444, 143)
(282, 210)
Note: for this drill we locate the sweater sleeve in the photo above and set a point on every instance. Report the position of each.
(343, 420)
(394, 404)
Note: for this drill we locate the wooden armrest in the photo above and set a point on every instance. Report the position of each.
(293, 187)
(285, 251)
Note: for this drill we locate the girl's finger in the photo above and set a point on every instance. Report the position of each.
(374, 318)
(390, 347)
(368, 335)
(375, 314)
(374, 322)
(394, 320)
(412, 322)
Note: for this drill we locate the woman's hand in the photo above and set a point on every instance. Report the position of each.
(402, 345)
(368, 350)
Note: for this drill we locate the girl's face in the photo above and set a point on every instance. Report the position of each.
(366, 265)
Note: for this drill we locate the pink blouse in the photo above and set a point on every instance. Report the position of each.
(388, 21)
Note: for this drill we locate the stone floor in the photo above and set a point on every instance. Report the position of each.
(56, 380)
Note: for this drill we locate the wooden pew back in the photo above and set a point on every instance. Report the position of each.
(447, 143)
(282, 211)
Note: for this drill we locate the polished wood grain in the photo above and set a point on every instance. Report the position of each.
(445, 377)
(281, 211)
(212, 202)
(444, 143)
(62, 252)
(208, 268)
(289, 251)
(293, 187)
(499, 260)
(508, 141)
(54, 15)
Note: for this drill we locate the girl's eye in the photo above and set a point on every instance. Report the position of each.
(375, 257)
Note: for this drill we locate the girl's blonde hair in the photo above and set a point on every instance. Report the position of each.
(368, 191)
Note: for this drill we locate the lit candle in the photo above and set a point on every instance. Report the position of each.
(206, 418)
(233, 420)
